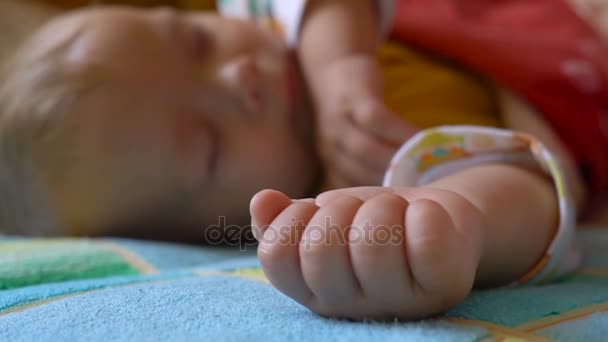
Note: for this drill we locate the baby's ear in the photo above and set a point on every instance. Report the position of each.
(242, 74)
(265, 206)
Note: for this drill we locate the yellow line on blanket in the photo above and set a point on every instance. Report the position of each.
(133, 259)
(31, 305)
(562, 318)
(515, 339)
(499, 332)
(238, 273)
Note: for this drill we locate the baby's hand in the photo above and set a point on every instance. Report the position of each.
(348, 254)
(358, 134)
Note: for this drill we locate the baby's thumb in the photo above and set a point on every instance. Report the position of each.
(264, 207)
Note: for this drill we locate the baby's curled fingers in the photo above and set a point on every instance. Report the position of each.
(361, 145)
(356, 158)
(433, 239)
(378, 253)
(363, 193)
(349, 172)
(325, 258)
(278, 250)
(264, 208)
(381, 123)
(266, 205)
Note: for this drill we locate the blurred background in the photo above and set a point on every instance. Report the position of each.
(19, 17)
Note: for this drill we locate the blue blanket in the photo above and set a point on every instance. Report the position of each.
(123, 290)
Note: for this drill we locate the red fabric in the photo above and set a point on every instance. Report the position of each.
(539, 48)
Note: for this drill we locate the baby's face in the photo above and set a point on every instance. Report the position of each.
(198, 113)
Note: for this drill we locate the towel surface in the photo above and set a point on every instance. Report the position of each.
(125, 290)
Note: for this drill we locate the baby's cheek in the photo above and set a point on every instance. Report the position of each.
(262, 159)
(262, 162)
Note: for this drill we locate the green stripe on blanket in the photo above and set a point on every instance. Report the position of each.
(36, 262)
(206, 293)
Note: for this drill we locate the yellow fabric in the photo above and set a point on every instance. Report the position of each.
(430, 92)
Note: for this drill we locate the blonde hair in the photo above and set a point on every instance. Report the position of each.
(37, 92)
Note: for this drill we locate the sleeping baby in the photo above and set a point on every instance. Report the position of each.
(115, 118)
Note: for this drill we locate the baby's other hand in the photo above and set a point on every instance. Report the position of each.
(358, 135)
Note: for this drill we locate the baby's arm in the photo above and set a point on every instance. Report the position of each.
(338, 51)
(490, 223)
(520, 116)
(425, 248)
